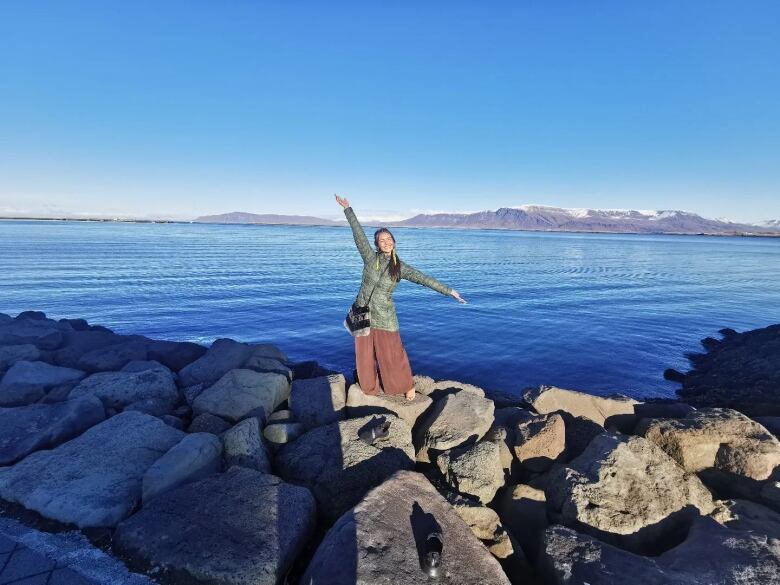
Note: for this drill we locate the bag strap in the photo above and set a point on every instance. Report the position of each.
(377, 282)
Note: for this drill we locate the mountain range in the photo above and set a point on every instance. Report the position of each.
(542, 218)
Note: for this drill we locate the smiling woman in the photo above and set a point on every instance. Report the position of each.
(382, 271)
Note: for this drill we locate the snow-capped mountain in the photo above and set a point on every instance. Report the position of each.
(772, 223)
(544, 218)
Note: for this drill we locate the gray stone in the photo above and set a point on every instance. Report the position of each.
(244, 446)
(260, 363)
(173, 421)
(26, 382)
(339, 467)
(43, 334)
(360, 404)
(194, 457)
(239, 527)
(616, 411)
(10, 354)
(112, 358)
(190, 393)
(208, 423)
(378, 542)
(627, 491)
(279, 433)
(94, 479)
(281, 416)
(453, 420)
(539, 442)
(174, 354)
(145, 365)
(318, 401)
(225, 355)
(25, 429)
(77, 343)
(475, 470)
(242, 393)
(483, 521)
(523, 512)
(151, 391)
(442, 388)
(746, 515)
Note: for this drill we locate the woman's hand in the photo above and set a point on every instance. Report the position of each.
(343, 202)
(456, 295)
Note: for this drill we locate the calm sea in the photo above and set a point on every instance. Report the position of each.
(599, 313)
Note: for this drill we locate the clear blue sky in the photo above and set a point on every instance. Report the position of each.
(186, 108)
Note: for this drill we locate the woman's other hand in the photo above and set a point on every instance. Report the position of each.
(456, 294)
(343, 202)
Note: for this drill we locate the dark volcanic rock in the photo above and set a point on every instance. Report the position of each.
(27, 382)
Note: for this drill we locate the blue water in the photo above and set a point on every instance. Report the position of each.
(596, 312)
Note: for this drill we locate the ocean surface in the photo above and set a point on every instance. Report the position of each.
(601, 313)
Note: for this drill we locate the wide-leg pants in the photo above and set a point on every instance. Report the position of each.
(384, 347)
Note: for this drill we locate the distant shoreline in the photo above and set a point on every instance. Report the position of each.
(389, 224)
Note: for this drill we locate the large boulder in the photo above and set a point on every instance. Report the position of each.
(539, 442)
(710, 554)
(618, 411)
(361, 404)
(242, 393)
(78, 343)
(174, 354)
(43, 333)
(25, 429)
(452, 421)
(27, 382)
(339, 467)
(10, 354)
(730, 451)
(151, 391)
(194, 457)
(523, 512)
(114, 357)
(318, 401)
(381, 540)
(627, 491)
(475, 470)
(244, 446)
(94, 479)
(226, 354)
(239, 527)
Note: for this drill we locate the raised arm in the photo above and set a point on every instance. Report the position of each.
(413, 275)
(361, 241)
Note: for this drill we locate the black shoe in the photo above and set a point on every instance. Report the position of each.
(434, 545)
(375, 432)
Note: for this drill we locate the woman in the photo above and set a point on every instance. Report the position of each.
(384, 341)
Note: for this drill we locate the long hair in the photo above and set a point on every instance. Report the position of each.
(395, 262)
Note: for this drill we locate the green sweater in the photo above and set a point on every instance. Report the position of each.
(382, 307)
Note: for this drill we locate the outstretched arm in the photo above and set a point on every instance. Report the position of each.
(413, 275)
(361, 241)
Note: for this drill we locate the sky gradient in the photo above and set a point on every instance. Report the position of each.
(179, 109)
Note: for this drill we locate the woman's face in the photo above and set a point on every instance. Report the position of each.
(385, 243)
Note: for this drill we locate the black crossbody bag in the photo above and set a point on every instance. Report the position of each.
(358, 321)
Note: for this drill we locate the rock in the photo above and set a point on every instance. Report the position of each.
(43, 334)
(442, 388)
(174, 354)
(308, 369)
(423, 384)
(711, 554)
(360, 404)
(94, 479)
(746, 515)
(483, 521)
(25, 429)
(248, 528)
(243, 393)
(615, 411)
(173, 421)
(628, 492)
(318, 401)
(223, 355)
(452, 421)
(523, 512)
(580, 431)
(540, 442)
(244, 446)
(113, 357)
(339, 467)
(770, 423)
(10, 354)
(144, 366)
(78, 343)
(196, 456)
(150, 391)
(475, 470)
(260, 363)
(731, 452)
(379, 541)
(26, 382)
(208, 423)
(280, 433)
(32, 316)
(663, 409)
(281, 416)
(4, 318)
(190, 393)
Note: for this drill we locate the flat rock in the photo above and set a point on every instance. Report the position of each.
(442, 388)
(244, 446)
(196, 456)
(25, 429)
(26, 382)
(239, 527)
(379, 541)
(318, 401)
(360, 404)
(10, 354)
(151, 391)
(539, 442)
(452, 421)
(627, 491)
(618, 411)
(339, 467)
(242, 393)
(94, 479)
(475, 470)
(711, 554)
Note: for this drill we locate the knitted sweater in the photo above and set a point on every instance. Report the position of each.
(382, 307)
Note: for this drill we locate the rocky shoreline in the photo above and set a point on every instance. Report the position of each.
(230, 464)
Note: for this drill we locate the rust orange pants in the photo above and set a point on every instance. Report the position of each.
(384, 347)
